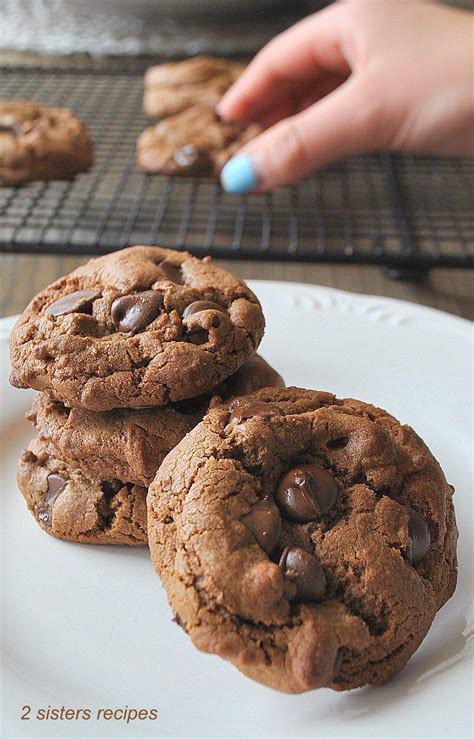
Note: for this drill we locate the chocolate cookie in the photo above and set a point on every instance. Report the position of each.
(175, 86)
(71, 504)
(131, 444)
(307, 539)
(41, 143)
(194, 142)
(141, 327)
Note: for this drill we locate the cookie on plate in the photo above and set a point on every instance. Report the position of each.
(140, 327)
(131, 444)
(308, 540)
(41, 143)
(175, 86)
(72, 476)
(195, 142)
(71, 504)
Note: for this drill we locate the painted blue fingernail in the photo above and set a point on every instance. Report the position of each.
(239, 175)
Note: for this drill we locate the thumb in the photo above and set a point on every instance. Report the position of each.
(345, 122)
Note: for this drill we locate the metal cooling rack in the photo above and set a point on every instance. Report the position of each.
(401, 211)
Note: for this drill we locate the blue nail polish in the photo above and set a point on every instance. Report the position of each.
(239, 175)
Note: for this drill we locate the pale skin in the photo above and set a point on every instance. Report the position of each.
(358, 76)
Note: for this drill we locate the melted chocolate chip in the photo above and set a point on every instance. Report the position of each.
(79, 301)
(172, 272)
(193, 159)
(305, 572)
(44, 515)
(134, 312)
(56, 485)
(200, 305)
(264, 522)
(197, 335)
(418, 536)
(242, 409)
(305, 492)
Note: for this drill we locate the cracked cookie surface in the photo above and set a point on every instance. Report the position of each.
(195, 142)
(144, 326)
(131, 444)
(307, 539)
(71, 504)
(41, 143)
(175, 86)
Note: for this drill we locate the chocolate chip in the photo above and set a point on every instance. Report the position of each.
(264, 522)
(134, 312)
(305, 572)
(172, 272)
(418, 536)
(305, 492)
(193, 159)
(243, 409)
(197, 335)
(79, 301)
(200, 305)
(56, 485)
(44, 515)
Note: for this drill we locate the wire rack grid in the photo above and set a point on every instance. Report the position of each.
(398, 210)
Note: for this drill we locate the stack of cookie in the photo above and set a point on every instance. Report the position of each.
(308, 539)
(128, 352)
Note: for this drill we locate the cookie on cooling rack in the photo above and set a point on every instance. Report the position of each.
(41, 143)
(308, 540)
(195, 142)
(140, 327)
(175, 86)
(130, 444)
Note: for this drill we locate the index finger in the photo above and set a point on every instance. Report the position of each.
(298, 56)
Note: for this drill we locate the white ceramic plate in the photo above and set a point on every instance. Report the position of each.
(89, 627)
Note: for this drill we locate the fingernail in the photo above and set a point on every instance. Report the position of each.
(239, 175)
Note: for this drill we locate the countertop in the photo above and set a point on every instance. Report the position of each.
(447, 289)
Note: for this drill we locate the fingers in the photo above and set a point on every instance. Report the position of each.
(343, 123)
(299, 56)
(298, 100)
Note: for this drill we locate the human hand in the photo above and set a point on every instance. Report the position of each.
(357, 76)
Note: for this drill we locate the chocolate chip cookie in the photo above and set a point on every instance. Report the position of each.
(175, 86)
(71, 504)
(195, 142)
(41, 143)
(131, 444)
(307, 539)
(141, 327)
